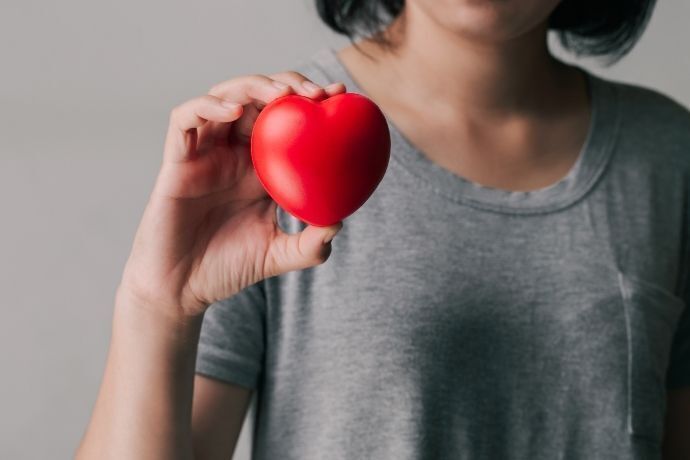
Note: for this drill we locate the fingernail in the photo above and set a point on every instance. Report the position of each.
(310, 86)
(330, 237)
(229, 104)
(279, 84)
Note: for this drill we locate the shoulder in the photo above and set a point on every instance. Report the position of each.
(652, 123)
(657, 110)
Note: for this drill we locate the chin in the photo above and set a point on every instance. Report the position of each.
(488, 20)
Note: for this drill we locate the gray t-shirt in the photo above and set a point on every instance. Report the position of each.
(459, 321)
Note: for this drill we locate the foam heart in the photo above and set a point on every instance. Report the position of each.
(320, 160)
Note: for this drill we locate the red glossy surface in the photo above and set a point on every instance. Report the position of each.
(320, 160)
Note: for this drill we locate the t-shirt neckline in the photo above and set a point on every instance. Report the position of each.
(581, 177)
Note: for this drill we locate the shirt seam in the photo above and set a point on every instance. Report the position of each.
(601, 161)
(601, 167)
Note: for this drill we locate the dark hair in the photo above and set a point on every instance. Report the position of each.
(606, 28)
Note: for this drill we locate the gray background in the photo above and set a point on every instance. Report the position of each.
(85, 90)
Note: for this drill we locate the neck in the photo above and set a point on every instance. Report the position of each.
(514, 75)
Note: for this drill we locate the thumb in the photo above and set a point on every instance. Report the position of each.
(300, 250)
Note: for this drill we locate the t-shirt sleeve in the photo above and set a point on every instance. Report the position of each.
(679, 364)
(231, 345)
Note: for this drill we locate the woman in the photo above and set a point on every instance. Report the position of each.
(514, 289)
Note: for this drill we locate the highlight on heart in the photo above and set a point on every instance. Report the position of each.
(321, 160)
(345, 230)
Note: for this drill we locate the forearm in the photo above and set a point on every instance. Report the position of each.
(143, 409)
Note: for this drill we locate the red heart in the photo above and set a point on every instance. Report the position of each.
(320, 160)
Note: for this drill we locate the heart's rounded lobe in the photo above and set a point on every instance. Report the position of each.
(320, 160)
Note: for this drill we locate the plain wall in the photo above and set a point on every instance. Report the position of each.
(85, 91)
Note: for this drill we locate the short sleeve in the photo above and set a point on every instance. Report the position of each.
(679, 364)
(231, 345)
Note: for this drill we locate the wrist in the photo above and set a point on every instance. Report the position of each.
(155, 319)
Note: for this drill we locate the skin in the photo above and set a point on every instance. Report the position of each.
(501, 112)
(208, 230)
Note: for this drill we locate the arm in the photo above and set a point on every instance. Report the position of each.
(164, 361)
(144, 404)
(218, 412)
(208, 231)
(676, 445)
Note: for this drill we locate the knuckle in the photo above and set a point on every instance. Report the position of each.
(216, 88)
(255, 78)
(295, 74)
(248, 82)
(176, 111)
(221, 86)
(208, 99)
(288, 75)
(243, 82)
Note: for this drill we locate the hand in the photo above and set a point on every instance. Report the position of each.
(209, 228)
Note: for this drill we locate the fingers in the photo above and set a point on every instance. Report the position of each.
(180, 141)
(242, 129)
(299, 84)
(250, 88)
(305, 87)
(335, 88)
(254, 92)
(301, 250)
